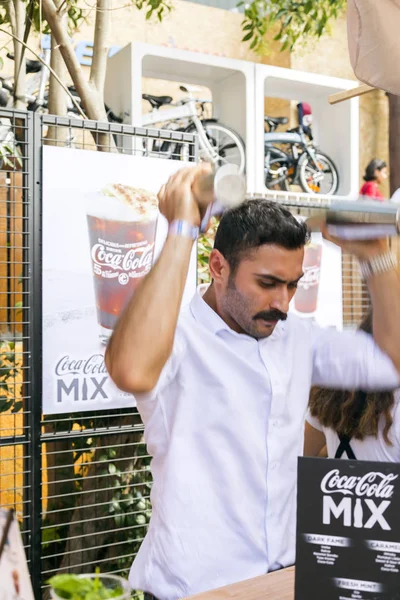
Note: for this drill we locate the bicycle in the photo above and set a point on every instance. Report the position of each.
(36, 98)
(299, 162)
(218, 143)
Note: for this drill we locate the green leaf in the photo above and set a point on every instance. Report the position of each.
(299, 19)
(5, 404)
(285, 46)
(247, 37)
(119, 519)
(112, 469)
(254, 43)
(141, 520)
(17, 407)
(308, 6)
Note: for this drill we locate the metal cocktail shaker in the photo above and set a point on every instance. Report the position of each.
(219, 190)
(360, 220)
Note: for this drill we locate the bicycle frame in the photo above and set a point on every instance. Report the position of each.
(186, 110)
(298, 145)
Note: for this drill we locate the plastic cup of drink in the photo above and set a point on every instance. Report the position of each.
(122, 223)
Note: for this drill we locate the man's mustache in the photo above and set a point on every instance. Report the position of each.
(271, 315)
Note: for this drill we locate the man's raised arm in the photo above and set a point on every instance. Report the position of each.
(144, 335)
(382, 276)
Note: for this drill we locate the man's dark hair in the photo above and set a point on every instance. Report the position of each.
(255, 223)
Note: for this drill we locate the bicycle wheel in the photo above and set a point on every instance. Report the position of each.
(228, 144)
(324, 180)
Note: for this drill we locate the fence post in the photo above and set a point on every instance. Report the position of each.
(34, 341)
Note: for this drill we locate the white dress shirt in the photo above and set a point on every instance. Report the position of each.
(224, 426)
(371, 447)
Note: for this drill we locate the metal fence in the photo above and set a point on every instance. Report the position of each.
(80, 483)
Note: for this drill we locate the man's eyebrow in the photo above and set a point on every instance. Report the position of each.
(277, 279)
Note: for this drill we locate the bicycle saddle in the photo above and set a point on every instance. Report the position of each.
(157, 101)
(276, 120)
(32, 66)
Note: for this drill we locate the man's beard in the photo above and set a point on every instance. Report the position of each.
(238, 307)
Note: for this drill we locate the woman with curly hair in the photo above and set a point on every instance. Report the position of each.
(354, 424)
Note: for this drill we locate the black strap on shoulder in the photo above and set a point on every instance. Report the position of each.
(344, 446)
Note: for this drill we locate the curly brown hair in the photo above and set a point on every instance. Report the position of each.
(340, 410)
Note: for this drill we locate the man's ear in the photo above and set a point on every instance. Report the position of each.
(219, 267)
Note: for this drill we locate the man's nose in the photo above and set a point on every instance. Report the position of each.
(281, 299)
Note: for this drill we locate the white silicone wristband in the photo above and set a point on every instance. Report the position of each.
(184, 229)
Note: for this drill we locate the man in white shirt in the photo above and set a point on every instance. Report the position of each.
(223, 389)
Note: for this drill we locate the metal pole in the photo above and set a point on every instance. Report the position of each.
(34, 150)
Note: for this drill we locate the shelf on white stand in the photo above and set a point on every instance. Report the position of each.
(231, 83)
(335, 128)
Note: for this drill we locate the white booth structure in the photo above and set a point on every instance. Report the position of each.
(230, 81)
(335, 127)
(239, 89)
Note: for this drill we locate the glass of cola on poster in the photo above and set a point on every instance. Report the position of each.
(122, 223)
(306, 297)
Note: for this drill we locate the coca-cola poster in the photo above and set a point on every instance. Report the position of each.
(348, 530)
(102, 233)
(319, 292)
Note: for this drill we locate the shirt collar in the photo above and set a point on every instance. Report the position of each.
(203, 313)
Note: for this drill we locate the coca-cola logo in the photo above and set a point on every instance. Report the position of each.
(133, 260)
(371, 484)
(310, 277)
(93, 365)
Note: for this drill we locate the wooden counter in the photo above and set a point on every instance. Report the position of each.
(278, 585)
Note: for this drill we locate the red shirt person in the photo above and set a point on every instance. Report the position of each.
(375, 174)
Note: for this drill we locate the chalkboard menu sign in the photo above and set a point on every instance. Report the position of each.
(348, 530)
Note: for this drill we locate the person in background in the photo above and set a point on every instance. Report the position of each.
(305, 118)
(375, 174)
(354, 424)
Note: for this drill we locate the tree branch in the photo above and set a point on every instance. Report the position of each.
(91, 100)
(101, 46)
(48, 67)
(11, 16)
(19, 55)
(57, 97)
